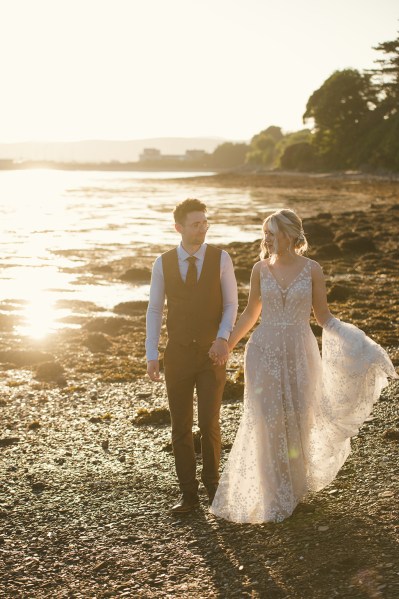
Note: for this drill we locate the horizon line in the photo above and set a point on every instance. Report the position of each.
(115, 140)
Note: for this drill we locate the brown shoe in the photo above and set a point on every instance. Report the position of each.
(187, 503)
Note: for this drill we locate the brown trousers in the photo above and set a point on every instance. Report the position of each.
(187, 368)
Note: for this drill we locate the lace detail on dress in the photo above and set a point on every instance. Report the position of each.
(299, 409)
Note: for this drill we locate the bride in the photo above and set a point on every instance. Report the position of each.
(300, 410)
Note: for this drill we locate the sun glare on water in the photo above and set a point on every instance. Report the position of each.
(63, 234)
(39, 316)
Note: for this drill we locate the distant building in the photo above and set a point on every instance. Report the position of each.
(149, 154)
(173, 157)
(154, 155)
(195, 154)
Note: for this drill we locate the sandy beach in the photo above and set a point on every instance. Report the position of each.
(87, 476)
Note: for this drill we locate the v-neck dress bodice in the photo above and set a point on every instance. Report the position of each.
(290, 305)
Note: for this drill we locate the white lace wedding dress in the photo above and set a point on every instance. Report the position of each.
(300, 410)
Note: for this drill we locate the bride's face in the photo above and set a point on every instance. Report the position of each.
(276, 243)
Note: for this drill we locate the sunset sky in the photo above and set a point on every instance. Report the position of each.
(129, 69)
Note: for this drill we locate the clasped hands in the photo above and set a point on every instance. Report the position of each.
(219, 352)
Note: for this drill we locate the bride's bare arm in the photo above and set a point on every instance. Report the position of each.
(251, 313)
(319, 295)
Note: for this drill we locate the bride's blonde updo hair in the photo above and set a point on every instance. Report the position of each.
(288, 222)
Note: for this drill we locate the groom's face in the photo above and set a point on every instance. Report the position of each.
(193, 231)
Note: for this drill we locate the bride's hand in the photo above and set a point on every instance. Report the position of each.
(219, 352)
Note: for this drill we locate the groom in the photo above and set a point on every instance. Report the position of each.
(201, 290)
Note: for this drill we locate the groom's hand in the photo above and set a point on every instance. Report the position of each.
(219, 352)
(153, 370)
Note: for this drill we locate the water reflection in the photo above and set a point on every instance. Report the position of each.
(55, 225)
(39, 317)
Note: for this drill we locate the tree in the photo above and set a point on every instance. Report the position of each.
(229, 155)
(339, 109)
(382, 140)
(299, 157)
(386, 77)
(381, 145)
(296, 137)
(263, 146)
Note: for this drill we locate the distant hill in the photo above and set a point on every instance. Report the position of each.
(103, 150)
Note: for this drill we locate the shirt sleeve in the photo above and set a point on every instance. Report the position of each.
(230, 297)
(155, 310)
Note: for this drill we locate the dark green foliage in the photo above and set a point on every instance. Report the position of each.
(356, 118)
(290, 139)
(263, 148)
(386, 77)
(340, 108)
(380, 148)
(299, 157)
(228, 155)
(343, 100)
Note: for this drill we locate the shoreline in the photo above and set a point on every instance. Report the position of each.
(358, 250)
(225, 174)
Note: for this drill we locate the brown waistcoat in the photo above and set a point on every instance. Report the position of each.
(193, 315)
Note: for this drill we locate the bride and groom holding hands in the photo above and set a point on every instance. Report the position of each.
(300, 408)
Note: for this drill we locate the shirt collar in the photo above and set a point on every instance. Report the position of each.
(199, 254)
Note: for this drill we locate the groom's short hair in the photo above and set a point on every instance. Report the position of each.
(184, 208)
